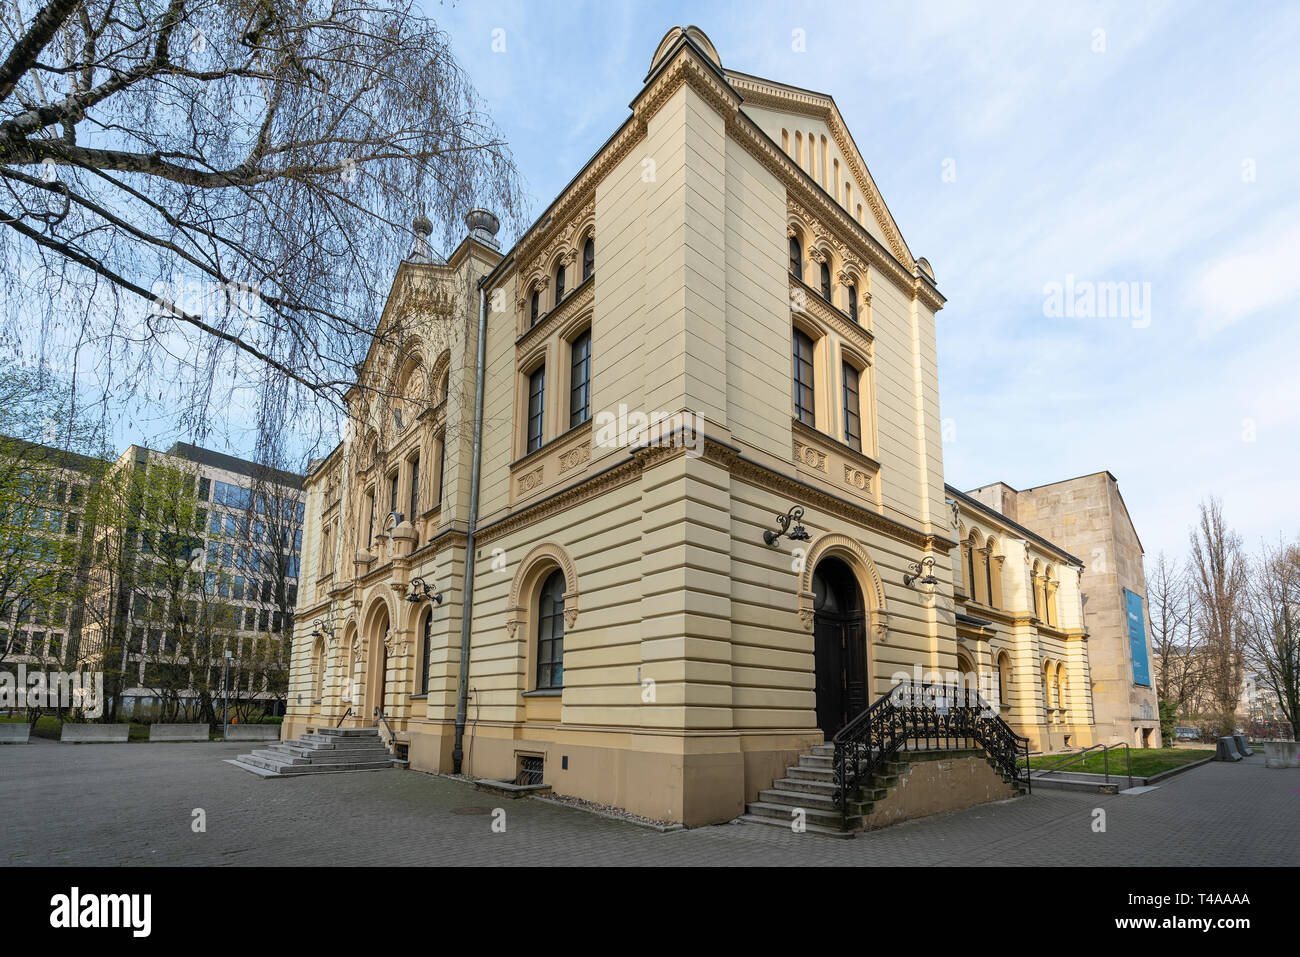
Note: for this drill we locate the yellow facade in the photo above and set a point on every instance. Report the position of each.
(689, 669)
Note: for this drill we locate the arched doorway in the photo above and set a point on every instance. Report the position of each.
(377, 666)
(839, 645)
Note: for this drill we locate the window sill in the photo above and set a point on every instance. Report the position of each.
(544, 693)
(419, 697)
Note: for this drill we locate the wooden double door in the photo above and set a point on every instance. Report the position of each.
(840, 645)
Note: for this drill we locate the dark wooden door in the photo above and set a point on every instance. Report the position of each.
(828, 640)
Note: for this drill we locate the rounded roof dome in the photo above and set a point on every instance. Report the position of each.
(692, 33)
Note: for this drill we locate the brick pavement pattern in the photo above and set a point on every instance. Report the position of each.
(131, 804)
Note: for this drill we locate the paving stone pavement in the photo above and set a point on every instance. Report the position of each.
(132, 804)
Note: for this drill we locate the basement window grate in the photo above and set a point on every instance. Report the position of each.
(530, 770)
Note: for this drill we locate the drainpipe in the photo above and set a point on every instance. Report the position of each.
(467, 601)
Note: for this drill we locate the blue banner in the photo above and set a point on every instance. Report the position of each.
(1137, 638)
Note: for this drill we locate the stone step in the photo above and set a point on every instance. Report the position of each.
(815, 761)
(804, 786)
(811, 774)
(781, 812)
(349, 732)
(810, 828)
(329, 742)
(345, 756)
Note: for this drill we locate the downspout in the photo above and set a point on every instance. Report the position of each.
(467, 601)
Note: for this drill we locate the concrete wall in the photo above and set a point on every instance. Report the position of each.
(178, 732)
(95, 733)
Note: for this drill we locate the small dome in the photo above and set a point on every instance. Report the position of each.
(923, 264)
(692, 33)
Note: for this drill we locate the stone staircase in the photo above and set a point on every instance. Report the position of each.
(335, 750)
(810, 786)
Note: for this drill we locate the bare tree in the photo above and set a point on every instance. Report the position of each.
(1272, 633)
(1175, 640)
(1219, 583)
(209, 191)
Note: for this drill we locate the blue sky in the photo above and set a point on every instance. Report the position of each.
(1160, 152)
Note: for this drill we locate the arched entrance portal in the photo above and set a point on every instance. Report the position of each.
(840, 645)
(377, 667)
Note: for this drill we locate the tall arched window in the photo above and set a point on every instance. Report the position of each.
(853, 301)
(803, 379)
(559, 283)
(550, 632)
(852, 408)
(796, 258)
(588, 258)
(970, 568)
(580, 380)
(427, 638)
(1060, 685)
(534, 307)
(1004, 678)
(826, 281)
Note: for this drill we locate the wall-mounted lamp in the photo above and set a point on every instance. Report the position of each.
(420, 591)
(796, 534)
(926, 566)
(322, 628)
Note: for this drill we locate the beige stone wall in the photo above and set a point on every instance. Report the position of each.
(689, 666)
(1087, 516)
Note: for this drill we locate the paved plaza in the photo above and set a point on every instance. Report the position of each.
(133, 804)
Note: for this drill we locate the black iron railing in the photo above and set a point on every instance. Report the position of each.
(922, 717)
(344, 718)
(383, 720)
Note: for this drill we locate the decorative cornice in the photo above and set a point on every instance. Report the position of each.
(581, 298)
(814, 306)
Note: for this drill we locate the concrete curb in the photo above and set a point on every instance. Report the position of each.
(1173, 771)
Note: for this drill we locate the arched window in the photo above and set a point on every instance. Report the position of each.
(427, 638)
(796, 258)
(550, 632)
(559, 283)
(826, 281)
(970, 567)
(852, 409)
(803, 379)
(580, 380)
(535, 307)
(588, 258)
(1060, 685)
(853, 301)
(1004, 678)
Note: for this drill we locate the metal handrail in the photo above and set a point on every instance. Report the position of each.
(882, 729)
(1071, 759)
(392, 738)
(1105, 761)
(343, 718)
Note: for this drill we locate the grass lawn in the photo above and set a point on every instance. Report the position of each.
(1146, 761)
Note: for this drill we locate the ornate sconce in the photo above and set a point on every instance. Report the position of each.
(420, 591)
(796, 534)
(924, 567)
(323, 628)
